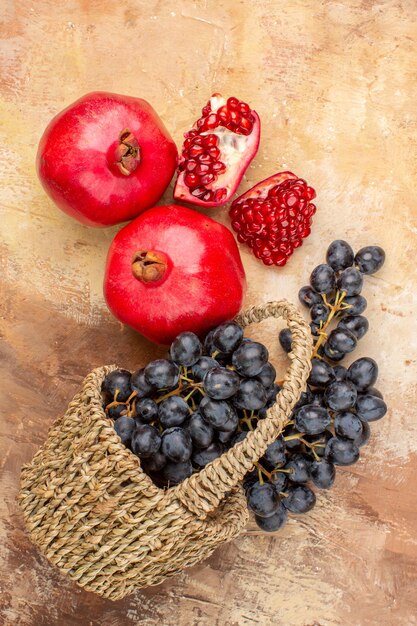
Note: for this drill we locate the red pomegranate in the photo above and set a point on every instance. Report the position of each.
(173, 269)
(106, 158)
(217, 152)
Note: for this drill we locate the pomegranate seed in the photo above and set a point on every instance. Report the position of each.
(220, 194)
(274, 226)
(205, 158)
(223, 114)
(232, 103)
(211, 121)
(218, 167)
(207, 179)
(190, 165)
(214, 153)
(243, 108)
(202, 168)
(190, 179)
(210, 140)
(195, 151)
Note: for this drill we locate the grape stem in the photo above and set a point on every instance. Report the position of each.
(337, 306)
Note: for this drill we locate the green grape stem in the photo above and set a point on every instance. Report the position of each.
(335, 308)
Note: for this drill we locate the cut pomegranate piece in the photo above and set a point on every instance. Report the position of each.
(274, 217)
(217, 152)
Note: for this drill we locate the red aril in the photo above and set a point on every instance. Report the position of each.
(106, 158)
(217, 151)
(274, 217)
(173, 269)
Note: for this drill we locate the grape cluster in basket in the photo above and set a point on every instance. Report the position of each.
(180, 413)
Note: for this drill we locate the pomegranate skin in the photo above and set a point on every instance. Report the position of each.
(203, 282)
(77, 159)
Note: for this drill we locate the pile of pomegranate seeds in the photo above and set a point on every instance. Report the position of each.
(274, 225)
(201, 154)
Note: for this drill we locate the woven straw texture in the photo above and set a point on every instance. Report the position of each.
(100, 519)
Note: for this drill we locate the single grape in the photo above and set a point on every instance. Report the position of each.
(202, 366)
(250, 479)
(347, 425)
(173, 411)
(146, 441)
(221, 383)
(317, 398)
(299, 466)
(225, 437)
(116, 411)
(176, 444)
(274, 522)
(124, 427)
(116, 385)
(279, 480)
(208, 343)
(262, 499)
(311, 419)
(372, 391)
(154, 463)
(357, 305)
(319, 313)
(370, 408)
(175, 473)
(201, 458)
(357, 324)
(251, 395)
(308, 296)
(315, 329)
(342, 341)
(249, 358)
(201, 432)
(350, 281)
(339, 255)
(333, 355)
(219, 413)
(271, 394)
(146, 410)
(366, 433)
(285, 339)
(140, 385)
(321, 373)
(227, 337)
(186, 349)
(238, 437)
(306, 397)
(370, 259)
(323, 473)
(323, 279)
(274, 454)
(162, 374)
(300, 499)
(267, 375)
(340, 396)
(363, 373)
(340, 372)
(341, 451)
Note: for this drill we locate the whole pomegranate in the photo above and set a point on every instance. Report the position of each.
(106, 158)
(217, 152)
(171, 270)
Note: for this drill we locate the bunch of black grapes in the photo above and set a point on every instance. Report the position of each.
(180, 413)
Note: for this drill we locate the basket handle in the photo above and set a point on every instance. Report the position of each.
(202, 492)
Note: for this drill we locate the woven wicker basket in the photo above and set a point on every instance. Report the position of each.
(99, 518)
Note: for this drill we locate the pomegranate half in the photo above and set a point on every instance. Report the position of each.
(173, 269)
(217, 151)
(106, 158)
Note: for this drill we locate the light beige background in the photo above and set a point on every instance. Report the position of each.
(335, 86)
